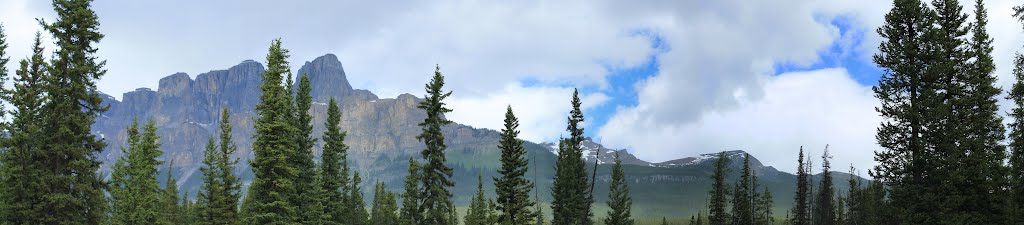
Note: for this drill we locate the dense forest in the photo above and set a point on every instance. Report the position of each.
(946, 157)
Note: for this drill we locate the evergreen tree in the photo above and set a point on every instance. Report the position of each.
(717, 214)
(765, 204)
(358, 214)
(219, 192)
(1016, 135)
(435, 175)
(212, 186)
(268, 196)
(384, 206)
(538, 209)
(907, 97)
(742, 201)
(18, 184)
(134, 188)
(333, 170)
(982, 166)
(800, 207)
(410, 212)
(619, 201)
(512, 188)
(72, 190)
(571, 200)
(170, 208)
(824, 209)
(479, 212)
(305, 199)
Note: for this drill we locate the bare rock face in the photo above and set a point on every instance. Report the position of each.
(186, 112)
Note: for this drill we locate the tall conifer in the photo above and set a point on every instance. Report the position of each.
(619, 199)
(512, 188)
(268, 199)
(72, 190)
(435, 175)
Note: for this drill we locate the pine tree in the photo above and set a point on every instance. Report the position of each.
(18, 186)
(619, 200)
(384, 206)
(742, 207)
(716, 213)
(824, 209)
(512, 188)
(571, 198)
(72, 190)
(134, 188)
(333, 170)
(410, 212)
(357, 206)
(479, 211)
(170, 208)
(268, 197)
(308, 205)
(908, 101)
(800, 205)
(435, 175)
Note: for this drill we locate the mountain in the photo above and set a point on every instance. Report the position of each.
(381, 135)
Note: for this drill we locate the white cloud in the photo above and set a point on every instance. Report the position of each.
(809, 109)
(542, 111)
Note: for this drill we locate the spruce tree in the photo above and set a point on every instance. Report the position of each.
(435, 175)
(824, 208)
(571, 200)
(512, 188)
(1016, 135)
(305, 199)
(801, 201)
(765, 204)
(410, 213)
(719, 192)
(18, 186)
(742, 201)
(227, 204)
(212, 186)
(170, 209)
(479, 211)
(619, 200)
(984, 154)
(358, 215)
(384, 206)
(134, 189)
(333, 170)
(72, 190)
(219, 192)
(268, 200)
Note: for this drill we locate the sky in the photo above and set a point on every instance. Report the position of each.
(663, 79)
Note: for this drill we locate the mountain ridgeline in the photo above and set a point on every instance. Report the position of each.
(381, 135)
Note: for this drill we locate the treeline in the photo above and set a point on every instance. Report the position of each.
(944, 156)
(49, 168)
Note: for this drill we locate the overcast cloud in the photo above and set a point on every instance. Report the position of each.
(715, 87)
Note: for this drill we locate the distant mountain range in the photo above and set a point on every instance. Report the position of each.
(382, 137)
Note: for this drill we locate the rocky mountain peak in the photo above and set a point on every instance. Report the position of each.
(327, 77)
